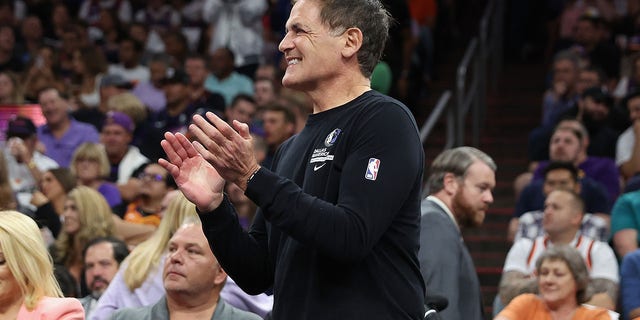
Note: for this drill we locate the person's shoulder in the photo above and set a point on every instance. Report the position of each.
(229, 312)
(133, 313)
(54, 308)
(82, 126)
(598, 162)
(591, 312)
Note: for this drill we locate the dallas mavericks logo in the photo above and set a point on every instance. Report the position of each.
(332, 137)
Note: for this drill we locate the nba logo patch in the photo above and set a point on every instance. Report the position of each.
(372, 169)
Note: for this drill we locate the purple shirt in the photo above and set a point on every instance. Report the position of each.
(602, 170)
(61, 150)
(150, 96)
(110, 193)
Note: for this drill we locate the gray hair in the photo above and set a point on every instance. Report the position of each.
(369, 16)
(575, 263)
(456, 161)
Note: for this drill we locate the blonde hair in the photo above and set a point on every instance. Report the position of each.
(27, 258)
(95, 218)
(128, 104)
(146, 255)
(94, 152)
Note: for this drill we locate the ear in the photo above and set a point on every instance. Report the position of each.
(353, 42)
(450, 183)
(220, 277)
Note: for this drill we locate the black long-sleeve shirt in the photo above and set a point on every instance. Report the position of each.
(337, 232)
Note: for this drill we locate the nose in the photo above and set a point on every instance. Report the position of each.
(286, 43)
(488, 197)
(175, 256)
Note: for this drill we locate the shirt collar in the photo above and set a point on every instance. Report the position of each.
(444, 208)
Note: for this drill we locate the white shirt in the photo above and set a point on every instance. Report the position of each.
(601, 260)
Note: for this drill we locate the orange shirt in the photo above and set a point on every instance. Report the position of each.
(529, 306)
(135, 215)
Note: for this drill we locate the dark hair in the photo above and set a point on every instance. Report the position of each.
(137, 46)
(120, 249)
(602, 76)
(65, 280)
(168, 180)
(289, 116)
(599, 96)
(560, 165)
(241, 97)
(369, 16)
(631, 95)
(64, 176)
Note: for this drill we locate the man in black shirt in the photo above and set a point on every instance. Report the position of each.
(336, 235)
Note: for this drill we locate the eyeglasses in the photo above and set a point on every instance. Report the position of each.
(151, 176)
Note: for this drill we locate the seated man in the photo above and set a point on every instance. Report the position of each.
(625, 223)
(569, 142)
(561, 175)
(561, 222)
(192, 280)
(102, 257)
(147, 208)
(25, 164)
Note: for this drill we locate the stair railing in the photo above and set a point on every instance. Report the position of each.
(482, 58)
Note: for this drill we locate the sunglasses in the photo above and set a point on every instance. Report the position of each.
(151, 176)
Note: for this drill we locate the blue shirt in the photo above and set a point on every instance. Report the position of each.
(61, 150)
(230, 87)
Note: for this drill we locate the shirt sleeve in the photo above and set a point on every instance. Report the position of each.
(623, 216)
(524, 304)
(517, 257)
(603, 262)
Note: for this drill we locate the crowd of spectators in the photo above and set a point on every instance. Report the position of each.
(587, 145)
(92, 86)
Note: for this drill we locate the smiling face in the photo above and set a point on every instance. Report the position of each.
(312, 52)
(191, 268)
(556, 283)
(71, 224)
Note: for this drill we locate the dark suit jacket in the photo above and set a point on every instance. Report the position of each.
(446, 265)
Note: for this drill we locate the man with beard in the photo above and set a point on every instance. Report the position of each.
(562, 219)
(460, 185)
(102, 257)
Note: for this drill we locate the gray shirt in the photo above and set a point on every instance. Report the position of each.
(159, 311)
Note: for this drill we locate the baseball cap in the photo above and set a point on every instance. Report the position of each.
(20, 126)
(121, 119)
(177, 76)
(115, 80)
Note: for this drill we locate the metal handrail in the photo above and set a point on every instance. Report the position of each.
(441, 106)
(482, 60)
(467, 93)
